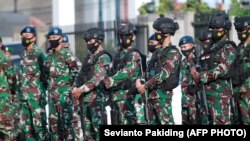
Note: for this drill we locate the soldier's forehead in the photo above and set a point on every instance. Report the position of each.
(54, 36)
(27, 34)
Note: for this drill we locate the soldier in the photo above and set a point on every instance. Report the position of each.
(76, 122)
(126, 69)
(60, 65)
(32, 60)
(7, 78)
(188, 86)
(94, 68)
(242, 25)
(215, 75)
(160, 87)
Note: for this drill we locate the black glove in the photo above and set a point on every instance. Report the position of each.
(102, 85)
(192, 89)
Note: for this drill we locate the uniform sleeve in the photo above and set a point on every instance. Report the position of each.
(71, 61)
(172, 61)
(42, 64)
(184, 78)
(100, 71)
(227, 57)
(132, 67)
(10, 72)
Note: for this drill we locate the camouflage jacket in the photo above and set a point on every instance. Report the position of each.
(244, 65)
(224, 57)
(32, 69)
(127, 71)
(59, 66)
(94, 69)
(187, 82)
(7, 74)
(170, 59)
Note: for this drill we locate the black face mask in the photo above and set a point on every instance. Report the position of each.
(242, 36)
(151, 48)
(93, 47)
(125, 40)
(207, 47)
(54, 43)
(26, 41)
(217, 35)
(160, 37)
(187, 52)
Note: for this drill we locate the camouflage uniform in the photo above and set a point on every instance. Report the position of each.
(159, 89)
(188, 85)
(121, 83)
(189, 109)
(76, 121)
(122, 98)
(59, 64)
(242, 25)
(215, 76)
(93, 100)
(32, 89)
(7, 80)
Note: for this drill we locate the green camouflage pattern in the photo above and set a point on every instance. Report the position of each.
(7, 81)
(218, 90)
(59, 65)
(244, 88)
(170, 63)
(189, 107)
(122, 99)
(32, 66)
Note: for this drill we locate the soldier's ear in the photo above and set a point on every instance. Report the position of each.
(34, 38)
(134, 36)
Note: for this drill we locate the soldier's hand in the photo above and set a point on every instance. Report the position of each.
(195, 75)
(140, 87)
(74, 90)
(138, 83)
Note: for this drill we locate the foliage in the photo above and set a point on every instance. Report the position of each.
(165, 6)
(143, 9)
(236, 9)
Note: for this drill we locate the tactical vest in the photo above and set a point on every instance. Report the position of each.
(87, 69)
(153, 65)
(210, 61)
(173, 80)
(243, 59)
(120, 62)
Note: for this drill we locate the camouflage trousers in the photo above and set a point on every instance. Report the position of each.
(219, 110)
(139, 109)
(76, 121)
(92, 113)
(244, 104)
(189, 110)
(6, 116)
(60, 114)
(125, 112)
(16, 116)
(31, 119)
(160, 112)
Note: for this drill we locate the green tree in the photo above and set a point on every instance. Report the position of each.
(143, 9)
(236, 9)
(165, 6)
(195, 6)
